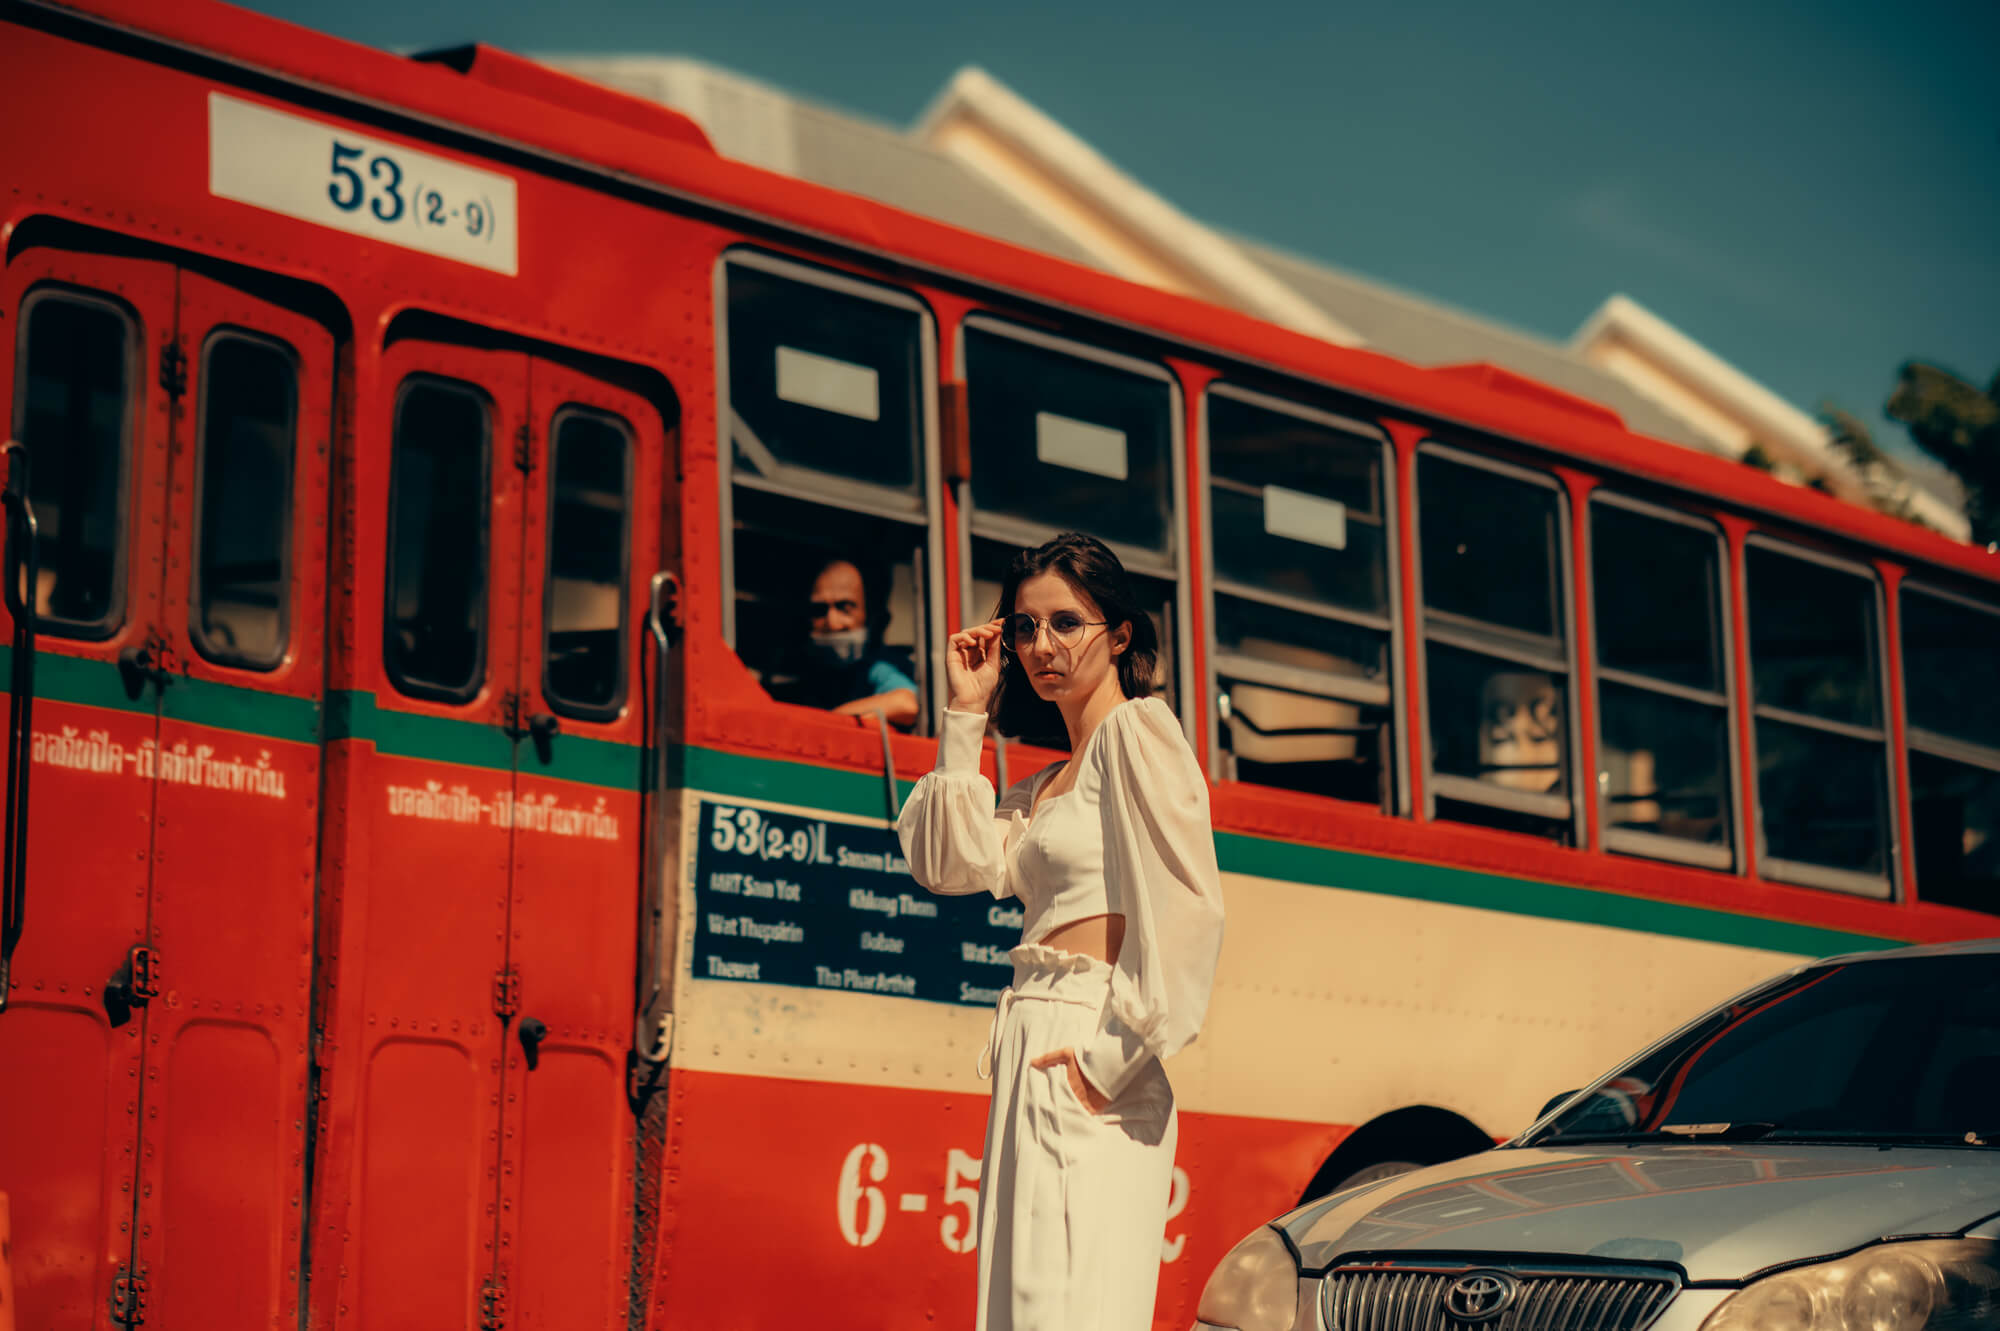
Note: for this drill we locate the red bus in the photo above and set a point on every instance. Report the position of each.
(424, 915)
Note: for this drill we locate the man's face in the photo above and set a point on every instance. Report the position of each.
(838, 602)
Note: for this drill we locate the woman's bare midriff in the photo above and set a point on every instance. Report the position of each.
(1097, 936)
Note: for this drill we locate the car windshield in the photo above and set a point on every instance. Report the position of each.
(1896, 1050)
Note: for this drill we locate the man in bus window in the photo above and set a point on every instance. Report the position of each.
(842, 664)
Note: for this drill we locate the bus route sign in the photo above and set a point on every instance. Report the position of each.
(783, 898)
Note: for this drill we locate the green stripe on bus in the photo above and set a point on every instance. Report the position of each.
(1322, 866)
(77, 679)
(349, 714)
(88, 683)
(594, 762)
(862, 795)
(782, 782)
(352, 714)
(204, 702)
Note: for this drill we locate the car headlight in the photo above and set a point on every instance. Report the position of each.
(1254, 1288)
(1930, 1285)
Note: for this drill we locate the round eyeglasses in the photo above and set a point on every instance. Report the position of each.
(1065, 629)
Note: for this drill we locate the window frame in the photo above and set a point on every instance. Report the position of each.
(236, 660)
(115, 617)
(924, 513)
(1471, 790)
(1916, 739)
(1971, 752)
(1645, 845)
(607, 711)
(391, 670)
(974, 522)
(1890, 886)
(1301, 680)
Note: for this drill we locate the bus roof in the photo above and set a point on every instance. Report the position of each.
(516, 107)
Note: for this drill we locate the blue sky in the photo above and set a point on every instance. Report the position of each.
(1812, 190)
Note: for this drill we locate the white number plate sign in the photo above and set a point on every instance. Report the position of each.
(333, 177)
(1304, 517)
(1079, 445)
(831, 385)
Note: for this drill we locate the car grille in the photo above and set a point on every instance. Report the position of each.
(1412, 1296)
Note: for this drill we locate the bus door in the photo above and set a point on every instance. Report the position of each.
(589, 548)
(421, 772)
(176, 430)
(489, 907)
(236, 817)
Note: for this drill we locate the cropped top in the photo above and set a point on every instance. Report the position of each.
(1130, 838)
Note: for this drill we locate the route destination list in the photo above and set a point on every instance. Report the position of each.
(785, 899)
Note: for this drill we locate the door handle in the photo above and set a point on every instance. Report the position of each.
(543, 729)
(533, 1032)
(142, 665)
(134, 984)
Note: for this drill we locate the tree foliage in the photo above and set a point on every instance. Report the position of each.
(1958, 423)
(1952, 419)
(1889, 490)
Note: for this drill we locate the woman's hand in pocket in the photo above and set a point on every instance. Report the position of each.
(1086, 1095)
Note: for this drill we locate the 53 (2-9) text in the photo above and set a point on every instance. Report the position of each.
(380, 182)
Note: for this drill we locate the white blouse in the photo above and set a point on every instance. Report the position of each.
(1130, 838)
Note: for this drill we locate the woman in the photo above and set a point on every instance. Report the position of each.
(1112, 857)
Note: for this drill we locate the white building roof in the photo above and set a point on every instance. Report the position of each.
(983, 158)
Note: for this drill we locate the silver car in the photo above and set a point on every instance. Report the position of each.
(1819, 1154)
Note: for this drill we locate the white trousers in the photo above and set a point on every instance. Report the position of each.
(1072, 1205)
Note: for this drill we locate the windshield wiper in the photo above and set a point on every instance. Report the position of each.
(1874, 1137)
(1672, 1132)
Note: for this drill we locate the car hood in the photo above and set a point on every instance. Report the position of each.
(1720, 1212)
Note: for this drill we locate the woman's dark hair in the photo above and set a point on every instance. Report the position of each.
(1087, 566)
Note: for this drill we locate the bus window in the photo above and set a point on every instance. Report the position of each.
(583, 615)
(74, 407)
(1949, 647)
(1662, 704)
(823, 379)
(1822, 760)
(243, 506)
(1496, 649)
(434, 640)
(1066, 437)
(1302, 610)
(865, 640)
(828, 383)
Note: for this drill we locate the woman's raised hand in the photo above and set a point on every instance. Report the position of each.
(972, 666)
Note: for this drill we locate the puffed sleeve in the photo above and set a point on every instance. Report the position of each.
(1160, 874)
(954, 837)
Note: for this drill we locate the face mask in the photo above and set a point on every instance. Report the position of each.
(842, 648)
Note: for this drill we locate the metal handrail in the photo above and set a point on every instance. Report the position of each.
(653, 1026)
(20, 567)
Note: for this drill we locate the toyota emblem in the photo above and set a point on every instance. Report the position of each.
(1481, 1296)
